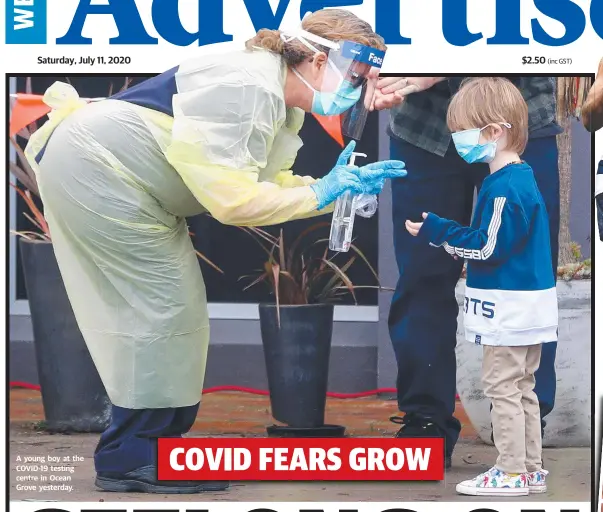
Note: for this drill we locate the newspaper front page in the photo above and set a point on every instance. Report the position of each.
(298, 255)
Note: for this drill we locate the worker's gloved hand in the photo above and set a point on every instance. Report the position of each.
(374, 188)
(376, 173)
(341, 179)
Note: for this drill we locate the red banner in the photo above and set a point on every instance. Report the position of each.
(300, 459)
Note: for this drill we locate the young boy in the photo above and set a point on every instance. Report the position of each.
(511, 300)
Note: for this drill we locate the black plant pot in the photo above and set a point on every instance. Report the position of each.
(73, 394)
(297, 361)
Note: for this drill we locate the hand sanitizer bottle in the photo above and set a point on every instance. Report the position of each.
(346, 207)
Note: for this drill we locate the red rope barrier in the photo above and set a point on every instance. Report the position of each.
(241, 389)
(25, 385)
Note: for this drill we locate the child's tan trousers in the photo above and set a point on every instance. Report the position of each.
(508, 378)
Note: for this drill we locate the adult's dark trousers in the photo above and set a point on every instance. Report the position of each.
(130, 441)
(599, 202)
(423, 314)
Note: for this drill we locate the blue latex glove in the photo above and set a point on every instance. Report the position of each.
(375, 174)
(374, 188)
(341, 179)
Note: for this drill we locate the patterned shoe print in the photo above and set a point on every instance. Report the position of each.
(495, 483)
(537, 481)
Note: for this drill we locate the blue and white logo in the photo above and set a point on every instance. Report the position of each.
(25, 21)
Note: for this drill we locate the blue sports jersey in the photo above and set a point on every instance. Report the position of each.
(511, 296)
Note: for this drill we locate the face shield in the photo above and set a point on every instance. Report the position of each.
(362, 64)
(349, 81)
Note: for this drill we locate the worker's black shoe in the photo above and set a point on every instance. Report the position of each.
(419, 426)
(145, 480)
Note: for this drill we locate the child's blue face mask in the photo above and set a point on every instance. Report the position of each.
(468, 146)
(343, 98)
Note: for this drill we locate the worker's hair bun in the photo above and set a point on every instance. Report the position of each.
(331, 24)
(268, 40)
(292, 51)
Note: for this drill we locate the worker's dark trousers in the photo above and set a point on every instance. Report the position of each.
(423, 315)
(130, 442)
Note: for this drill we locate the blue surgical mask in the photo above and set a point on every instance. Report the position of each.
(333, 103)
(468, 146)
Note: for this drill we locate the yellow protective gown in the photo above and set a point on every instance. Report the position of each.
(117, 181)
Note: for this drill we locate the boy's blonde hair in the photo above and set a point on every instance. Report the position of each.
(485, 100)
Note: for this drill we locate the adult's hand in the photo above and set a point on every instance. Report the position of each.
(341, 179)
(392, 91)
(592, 110)
(385, 169)
(371, 88)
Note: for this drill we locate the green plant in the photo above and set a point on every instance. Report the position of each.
(202, 256)
(575, 271)
(36, 217)
(575, 251)
(305, 273)
(577, 268)
(23, 172)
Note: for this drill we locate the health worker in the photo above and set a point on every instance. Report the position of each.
(217, 134)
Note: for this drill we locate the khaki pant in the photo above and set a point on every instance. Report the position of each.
(508, 378)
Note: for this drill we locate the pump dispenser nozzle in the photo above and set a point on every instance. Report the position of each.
(353, 158)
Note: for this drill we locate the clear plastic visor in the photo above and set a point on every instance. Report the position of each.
(350, 64)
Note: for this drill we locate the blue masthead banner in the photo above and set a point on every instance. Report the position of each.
(26, 21)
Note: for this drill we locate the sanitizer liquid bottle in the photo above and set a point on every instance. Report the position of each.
(346, 208)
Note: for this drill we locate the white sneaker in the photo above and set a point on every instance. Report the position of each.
(537, 481)
(495, 483)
